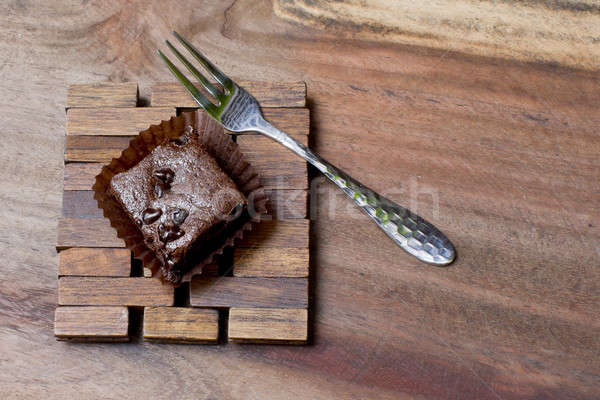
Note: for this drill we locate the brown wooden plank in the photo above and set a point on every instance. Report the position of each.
(85, 232)
(181, 325)
(283, 204)
(96, 324)
(106, 94)
(103, 291)
(278, 233)
(80, 204)
(294, 121)
(114, 121)
(271, 262)
(81, 176)
(268, 325)
(94, 262)
(95, 148)
(97, 232)
(287, 204)
(277, 166)
(249, 292)
(288, 174)
(269, 94)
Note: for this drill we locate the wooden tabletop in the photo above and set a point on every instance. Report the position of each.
(482, 116)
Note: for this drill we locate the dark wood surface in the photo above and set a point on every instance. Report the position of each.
(499, 151)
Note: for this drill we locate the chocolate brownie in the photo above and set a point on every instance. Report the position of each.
(182, 201)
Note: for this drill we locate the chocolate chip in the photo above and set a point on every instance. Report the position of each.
(162, 232)
(169, 233)
(149, 240)
(179, 216)
(174, 234)
(165, 176)
(170, 262)
(158, 190)
(150, 215)
(181, 140)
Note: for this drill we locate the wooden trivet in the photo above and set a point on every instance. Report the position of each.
(266, 295)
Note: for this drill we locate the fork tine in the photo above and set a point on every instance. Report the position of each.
(214, 71)
(196, 94)
(212, 89)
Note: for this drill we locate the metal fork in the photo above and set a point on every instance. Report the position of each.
(238, 111)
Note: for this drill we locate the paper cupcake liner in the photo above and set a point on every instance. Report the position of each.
(219, 144)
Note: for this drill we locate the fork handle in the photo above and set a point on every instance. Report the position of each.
(411, 232)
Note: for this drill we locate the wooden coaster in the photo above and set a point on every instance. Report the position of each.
(267, 292)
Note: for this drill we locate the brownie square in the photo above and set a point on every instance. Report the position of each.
(181, 200)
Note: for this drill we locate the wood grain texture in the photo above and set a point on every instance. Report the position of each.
(181, 325)
(508, 147)
(282, 204)
(287, 204)
(103, 291)
(294, 121)
(94, 262)
(81, 176)
(80, 204)
(562, 32)
(271, 262)
(95, 148)
(269, 94)
(109, 324)
(86, 232)
(263, 153)
(107, 94)
(282, 233)
(268, 325)
(228, 291)
(115, 121)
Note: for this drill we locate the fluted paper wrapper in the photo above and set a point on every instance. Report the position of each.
(219, 144)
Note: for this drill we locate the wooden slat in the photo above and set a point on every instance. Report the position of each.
(294, 121)
(92, 323)
(278, 167)
(95, 148)
(84, 232)
(80, 204)
(287, 204)
(269, 94)
(271, 262)
(106, 94)
(290, 173)
(102, 291)
(249, 292)
(109, 121)
(181, 325)
(80, 176)
(283, 204)
(278, 233)
(94, 262)
(268, 325)
(97, 232)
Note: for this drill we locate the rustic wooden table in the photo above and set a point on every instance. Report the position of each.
(445, 109)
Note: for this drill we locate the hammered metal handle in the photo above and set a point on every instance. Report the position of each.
(411, 232)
